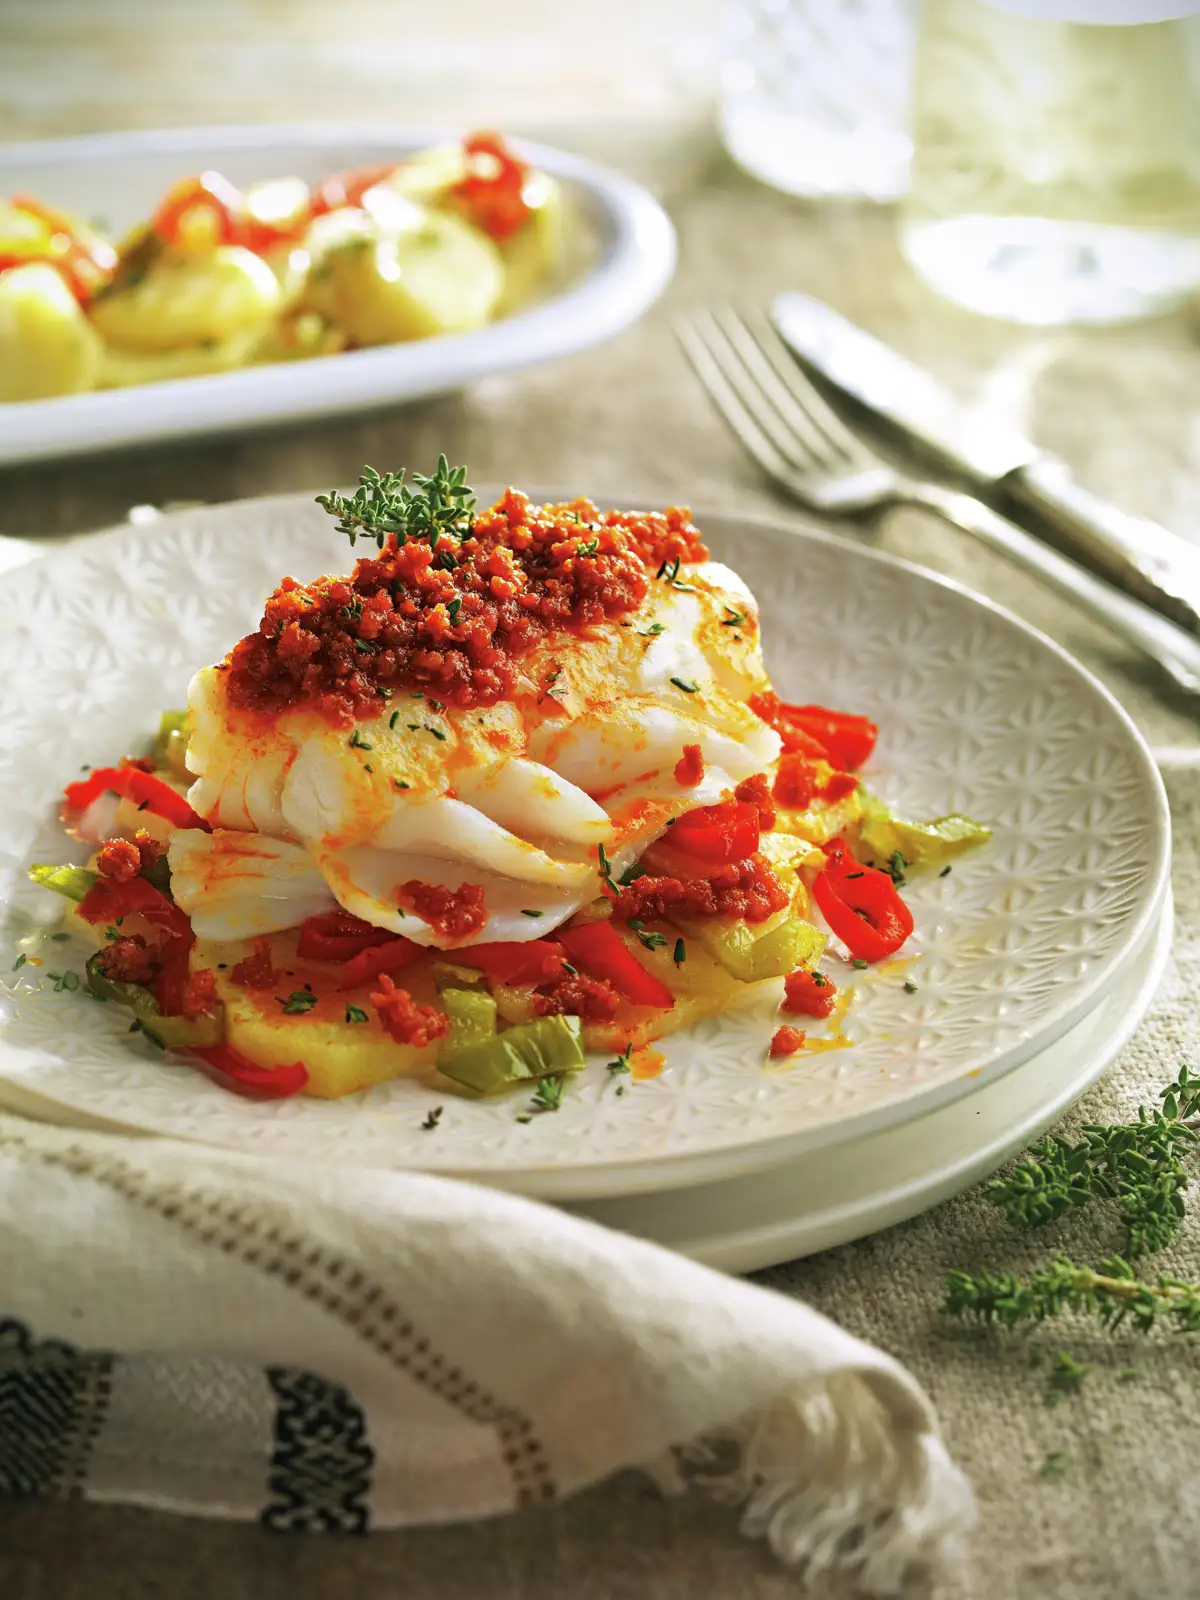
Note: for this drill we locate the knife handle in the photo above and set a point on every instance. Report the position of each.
(1141, 556)
(1176, 652)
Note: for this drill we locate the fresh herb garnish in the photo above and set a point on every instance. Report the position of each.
(432, 1119)
(353, 1013)
(909, 986)
(357, 742)
(527, 913)
(589, 547)
(679, 954)
(860, 964)
(384, 504)
(453, 607)
(64, 980)
(1055, 1465)
(436, 732)
(688, 688)
(400, 783)
(60, 938)
(632, 874)
(299, 1001)
(546, 1097)
(20, 962)
(651, 940)
(623, 1063)
(733, 619)
(946, 871)
(669, 570)
(1066, 1377)
(653, 631)
(606, 876)
(895, 868)
(393, 719)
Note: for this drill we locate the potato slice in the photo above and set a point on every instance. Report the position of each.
(47, 346)
(189, 299)
(438, 276)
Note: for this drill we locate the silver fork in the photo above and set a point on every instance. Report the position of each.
(810, 453)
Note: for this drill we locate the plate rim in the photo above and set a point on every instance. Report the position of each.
(594, 1180)
(636, 263)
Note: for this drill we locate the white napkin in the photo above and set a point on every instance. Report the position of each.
(229, 1336)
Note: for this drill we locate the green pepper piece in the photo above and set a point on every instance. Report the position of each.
(472, 1015)
(73, 882)
(173, 1033)
(170, 744)
(750, 954)
(540, 1049)
(931, 844)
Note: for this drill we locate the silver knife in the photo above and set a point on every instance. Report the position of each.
(1147, 560)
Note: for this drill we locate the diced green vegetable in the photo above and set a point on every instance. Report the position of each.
(173, 1033)
(73, 882)
(534, 1050)
(931, 844)
(170, 744)
(749, 954)
(472, 1015)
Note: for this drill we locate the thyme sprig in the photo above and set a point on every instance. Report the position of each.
(384, 505)
(1137, 1164)
(1113, 1293)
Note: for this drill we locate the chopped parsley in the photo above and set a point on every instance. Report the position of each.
(909, 986)
(860, 963)
(357, 742)
(353, 1013)
(653, 631)
(623, 1063)
(298, 1002)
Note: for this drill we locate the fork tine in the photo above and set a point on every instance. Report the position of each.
(791, 387)
(809, 439)
(728, 402)
(807, 452)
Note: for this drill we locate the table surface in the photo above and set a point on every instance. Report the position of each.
(1123, 406)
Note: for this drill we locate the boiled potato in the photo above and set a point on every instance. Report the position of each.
(190, 299)
(341, 1057)
(47, 346)
(439, 276)
(532, 255)
(119, 369)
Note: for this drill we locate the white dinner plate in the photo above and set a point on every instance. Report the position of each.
(622, 257)
(844, 1192)
(977, 713)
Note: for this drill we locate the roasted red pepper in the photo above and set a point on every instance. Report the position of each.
(536, 962)
(778, 715)
(598, 950)
(339, 936)
(209, 192)
(241, 1074)
(786, 1041)
(848, 738)
(85, 260)
(797, 780)
(107, 900)
(493, 191)
(862, 907)
(376, 959)
(146, 791)
(716, 835)
(837, 786)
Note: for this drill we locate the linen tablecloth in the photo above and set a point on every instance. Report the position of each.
(1096, 1496)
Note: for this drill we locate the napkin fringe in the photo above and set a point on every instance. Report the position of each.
(834, 1480)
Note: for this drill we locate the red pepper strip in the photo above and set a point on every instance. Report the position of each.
(347, 188)
(717, 835)
(391, 958)
(86, 262)
(143, 788)
(777, 715)
(107, 900)
(268, 1083)
(862, 907)
(493, 191)
(598, 950)
(339, 936)
(838, 786)
(209, 192)
(537, 962)
(849, 739)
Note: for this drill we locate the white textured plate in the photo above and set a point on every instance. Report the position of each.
(830, 1197)
(624, 246)
(977, 714)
